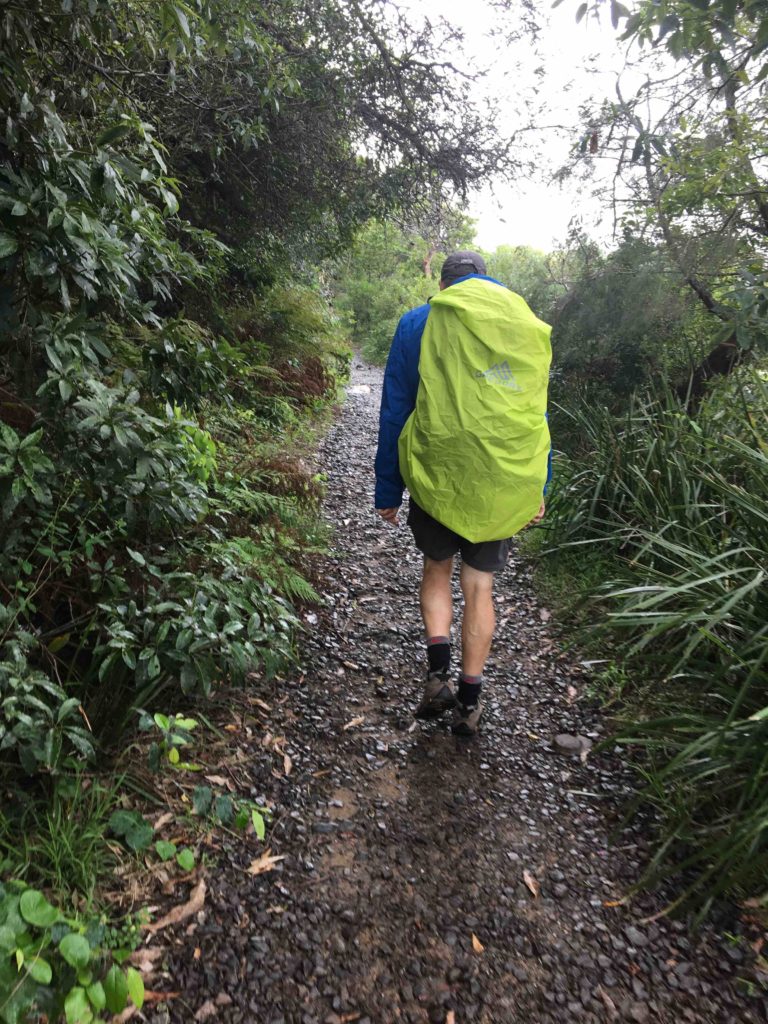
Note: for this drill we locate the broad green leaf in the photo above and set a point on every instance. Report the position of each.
(36, 910)
(40, 970)
(115, 990)
(117, 131)
(258, 823)
(139, 837)
(8, 245)
(223, 809)
(121, 822)
(185, 859)
(135, 984)
(202, 799)
(77, 1008)
(76, 950)
(56, 645)
(96, 995)
(165, 850)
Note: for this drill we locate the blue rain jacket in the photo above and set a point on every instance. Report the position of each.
(398, 400)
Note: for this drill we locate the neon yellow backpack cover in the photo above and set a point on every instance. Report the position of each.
(474, 451)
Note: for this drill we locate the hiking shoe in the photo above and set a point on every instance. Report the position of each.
(438, 696)
(466, 720)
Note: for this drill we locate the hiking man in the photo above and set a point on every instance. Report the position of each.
(463, 426)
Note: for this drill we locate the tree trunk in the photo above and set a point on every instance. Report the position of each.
(719, 362)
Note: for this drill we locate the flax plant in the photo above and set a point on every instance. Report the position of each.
(681, 505)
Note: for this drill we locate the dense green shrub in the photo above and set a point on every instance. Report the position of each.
(381, 278)
(58, 965)
(142, 553)
(681, 505)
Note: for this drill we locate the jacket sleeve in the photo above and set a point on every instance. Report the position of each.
(398, 399)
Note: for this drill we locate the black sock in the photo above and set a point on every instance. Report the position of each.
(439, 653)
(469, 690)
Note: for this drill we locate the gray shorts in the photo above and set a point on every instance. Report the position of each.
(439, 543)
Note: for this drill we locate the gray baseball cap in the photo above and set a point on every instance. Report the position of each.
(460, 264)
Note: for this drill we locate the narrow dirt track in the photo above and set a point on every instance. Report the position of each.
(410, 858)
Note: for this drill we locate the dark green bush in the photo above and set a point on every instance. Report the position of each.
(681, 505)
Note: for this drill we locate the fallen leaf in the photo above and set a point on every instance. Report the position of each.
(545, 614)
(164, 819)
(181, 913)
(197, 954)
(265, 862)
(207, 1010)
(609, 1004)
(232, 728)
(260, 704)
(573, 693)
(218, 780)
(531, 882)
(613, 903)
(170, 884)
(347, 1018)
(148, 954)
(128, 1012)
(149, 997)
(319, 775)
(753, 903)
(355, 721)
(450, 1017)
(477, 944)
(160, 997)
(287, 764)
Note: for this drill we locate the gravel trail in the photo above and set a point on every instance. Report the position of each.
(425, 878)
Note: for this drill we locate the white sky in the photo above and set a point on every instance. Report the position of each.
(578, 61)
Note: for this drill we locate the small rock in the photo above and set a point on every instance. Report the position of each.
(565, 743)
(635, 937)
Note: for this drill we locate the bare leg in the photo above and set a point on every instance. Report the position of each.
(479, 619)
(435, 597)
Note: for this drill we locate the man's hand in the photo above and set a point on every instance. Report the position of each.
(539, 515)
(389, 515)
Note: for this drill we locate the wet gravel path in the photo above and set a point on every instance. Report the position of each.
(425, 878)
